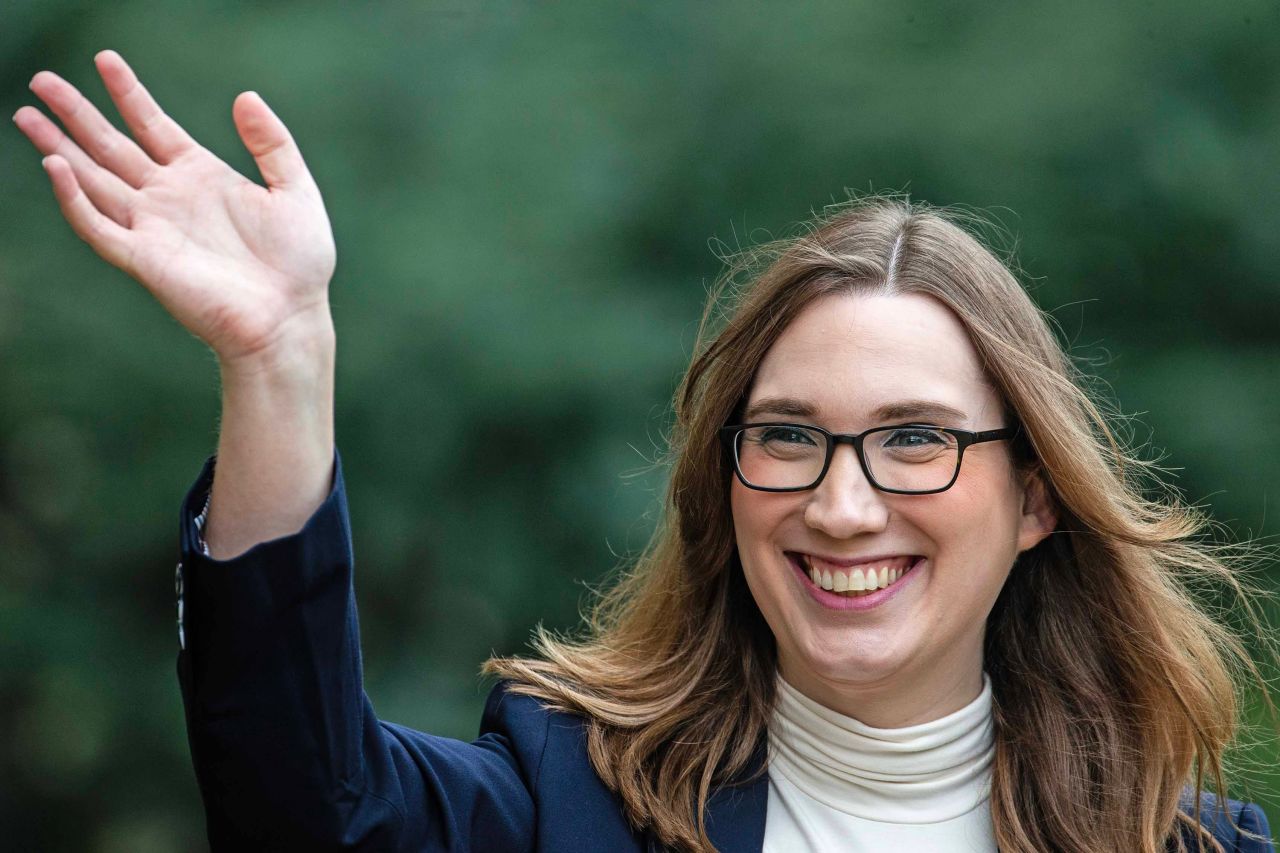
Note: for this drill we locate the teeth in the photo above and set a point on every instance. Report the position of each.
(854, 581)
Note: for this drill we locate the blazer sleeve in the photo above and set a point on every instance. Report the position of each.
(1252, 819)
(287, 749)
(1228, 822)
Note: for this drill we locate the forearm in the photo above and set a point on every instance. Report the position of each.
(275, 445)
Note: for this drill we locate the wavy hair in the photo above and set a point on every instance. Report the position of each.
(1115, 688)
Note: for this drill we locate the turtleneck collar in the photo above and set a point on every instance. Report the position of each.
(926, 773)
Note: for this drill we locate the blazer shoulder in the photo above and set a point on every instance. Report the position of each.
(523, 723)
(1248, 818)
(509, 711)
(576, 808)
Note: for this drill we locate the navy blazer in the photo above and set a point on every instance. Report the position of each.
(289, 754)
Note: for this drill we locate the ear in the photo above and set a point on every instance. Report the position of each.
(1039, 511)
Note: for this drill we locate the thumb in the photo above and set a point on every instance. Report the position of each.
(269, 141)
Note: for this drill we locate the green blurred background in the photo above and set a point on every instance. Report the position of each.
(527, 200)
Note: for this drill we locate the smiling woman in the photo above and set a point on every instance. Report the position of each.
(907, 593)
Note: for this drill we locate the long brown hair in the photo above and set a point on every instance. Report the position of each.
(1114, 687)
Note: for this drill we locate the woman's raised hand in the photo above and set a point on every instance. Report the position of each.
(244, 268)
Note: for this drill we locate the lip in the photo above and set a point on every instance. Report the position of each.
(844, 562)
(832, 601)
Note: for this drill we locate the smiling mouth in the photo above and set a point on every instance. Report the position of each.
(857, 580)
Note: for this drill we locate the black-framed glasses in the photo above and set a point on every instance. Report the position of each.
(907, 459)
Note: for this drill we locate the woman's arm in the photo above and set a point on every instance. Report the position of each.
(245, 268)
(287, 749)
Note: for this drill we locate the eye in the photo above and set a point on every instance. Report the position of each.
(916, 444)
(782, 442)
(916, 437)
(786, 435)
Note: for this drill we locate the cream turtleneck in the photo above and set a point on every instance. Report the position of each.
(837, 784)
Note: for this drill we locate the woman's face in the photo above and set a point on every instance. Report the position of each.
(915, 654)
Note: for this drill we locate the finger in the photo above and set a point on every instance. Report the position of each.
(162, 137)
(270, 143)
(107, 238)
(91, 130)
(106, 191)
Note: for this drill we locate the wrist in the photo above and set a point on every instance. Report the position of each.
(304, 351)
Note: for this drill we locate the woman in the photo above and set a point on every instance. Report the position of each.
(907, 593)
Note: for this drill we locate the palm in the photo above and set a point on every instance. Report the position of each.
(236, 263)
(230, 259)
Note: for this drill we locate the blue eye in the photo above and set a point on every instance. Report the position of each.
(783, 442)
(785, 435)
(917, 437)
(915, 444)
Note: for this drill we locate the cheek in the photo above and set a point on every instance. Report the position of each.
(976, 521)
(755, 521)
(751, 513)
(757, 517)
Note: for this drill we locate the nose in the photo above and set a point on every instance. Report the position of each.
(845, 503)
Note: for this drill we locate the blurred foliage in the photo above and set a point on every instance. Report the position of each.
(523, 196)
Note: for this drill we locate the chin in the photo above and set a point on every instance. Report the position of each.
(854, 665)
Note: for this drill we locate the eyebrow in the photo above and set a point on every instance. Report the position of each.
(902, 410)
